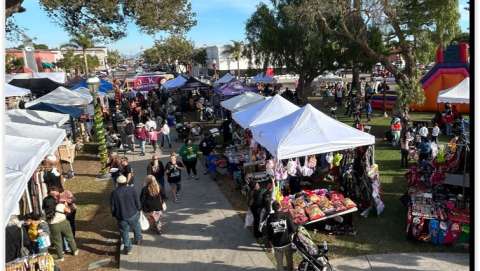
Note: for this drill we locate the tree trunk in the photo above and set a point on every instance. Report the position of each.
(304, 89)
(355, 76)
(86, 62)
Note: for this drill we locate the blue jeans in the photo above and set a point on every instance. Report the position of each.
(124, 226)
(142, 145)
(166, 138)
(448, 128)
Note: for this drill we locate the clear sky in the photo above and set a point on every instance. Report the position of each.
(218, 22)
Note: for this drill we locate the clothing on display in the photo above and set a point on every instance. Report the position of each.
(40, 262)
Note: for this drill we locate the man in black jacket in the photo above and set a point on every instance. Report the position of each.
(126, 207)
(279, 231)
(206, 146)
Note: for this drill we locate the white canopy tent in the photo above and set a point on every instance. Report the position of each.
(177, 82)
(459, 94)
(308, 131)
(22, 157)
(63, 96)
(13, 91)
(227, 78)
(41, 118)
(54, 136)
(240, 101)
(264, 111)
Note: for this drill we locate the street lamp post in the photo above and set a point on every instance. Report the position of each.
(100, 136)
(214, 65)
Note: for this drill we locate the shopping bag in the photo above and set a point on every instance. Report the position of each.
(144, 224)
(164, 206)
(249, 219)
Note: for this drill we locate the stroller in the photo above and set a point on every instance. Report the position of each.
(314, 257)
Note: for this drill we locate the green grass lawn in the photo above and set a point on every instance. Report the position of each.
(385, 233)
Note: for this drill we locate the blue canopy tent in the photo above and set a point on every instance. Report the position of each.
(105, 86)
(74, 112)
(175, 83)
(70, 110)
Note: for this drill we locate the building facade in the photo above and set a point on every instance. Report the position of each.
(218, 60)
(43, 58)
(100, 52)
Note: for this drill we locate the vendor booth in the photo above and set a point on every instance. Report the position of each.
(308, 151)
(438, 192)
(54, 136)
(232, 89)
(264, 111)
(59, 77)
(238, 102)
(40, 118)
(23, 156)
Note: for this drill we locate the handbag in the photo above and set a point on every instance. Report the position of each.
(144, 224)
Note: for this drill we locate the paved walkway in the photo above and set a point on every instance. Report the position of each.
(203, 232)
(404, 262)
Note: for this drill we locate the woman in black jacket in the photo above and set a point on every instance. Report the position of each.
(152, 203)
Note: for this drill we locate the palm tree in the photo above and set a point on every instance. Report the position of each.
(234, 50)
(81, 41)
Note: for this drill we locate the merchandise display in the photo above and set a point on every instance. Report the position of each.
(310, 206)
(438, 211)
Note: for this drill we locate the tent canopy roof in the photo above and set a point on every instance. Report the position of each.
(459, 94)
(308, 131)
(233, 88)
(238, 102)
(23, 155)
(38, 86)
(41, 118)
(58, 77)
(193, 83)
(54, 136)
(12, 91)
(261, 78)
(70, 110)
(175, 83)
(62, 96)
(227, 78)
(264, 111)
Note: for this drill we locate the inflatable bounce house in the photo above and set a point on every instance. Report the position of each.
(451, 67)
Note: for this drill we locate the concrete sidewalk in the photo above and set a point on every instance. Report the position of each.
(202, 232)
(404, 262)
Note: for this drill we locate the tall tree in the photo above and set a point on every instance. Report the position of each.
(235, 51)
(280, 36)
(83, 42)
(12, 63)
(411, 27)
(200, 56)
(113, 58)
(170, 51)
(108, 20)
